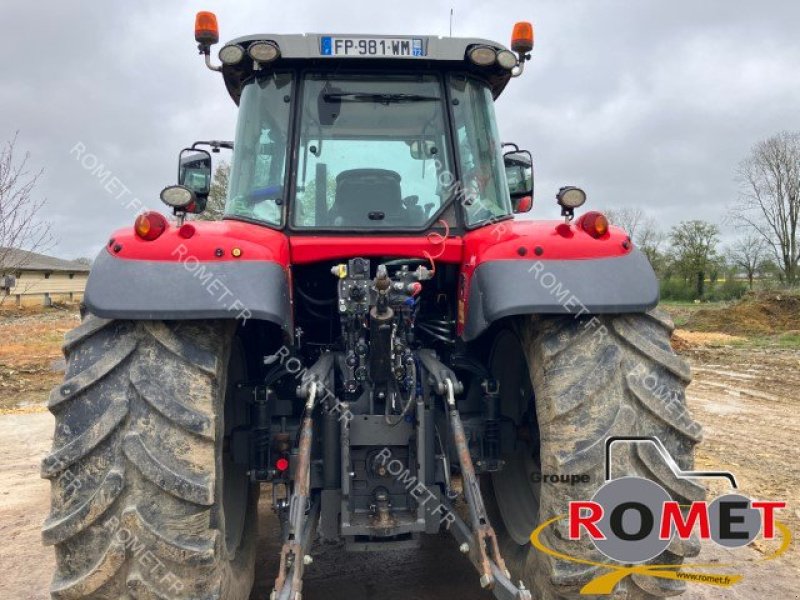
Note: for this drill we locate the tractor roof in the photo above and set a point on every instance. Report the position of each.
(314, 50)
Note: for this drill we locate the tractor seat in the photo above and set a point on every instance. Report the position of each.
(361, 192)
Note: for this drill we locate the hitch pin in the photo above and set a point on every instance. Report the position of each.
(451, 397)
(312, 394)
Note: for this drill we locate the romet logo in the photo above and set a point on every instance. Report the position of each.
(632, 520)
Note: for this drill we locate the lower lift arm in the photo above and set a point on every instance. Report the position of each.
(478, 538)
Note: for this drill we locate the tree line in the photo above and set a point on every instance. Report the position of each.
(689, 258)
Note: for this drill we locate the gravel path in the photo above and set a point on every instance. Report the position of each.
(746, 399)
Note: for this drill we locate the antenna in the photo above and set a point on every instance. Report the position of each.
(452, 13)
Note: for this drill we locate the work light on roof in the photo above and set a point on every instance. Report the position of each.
(483, 56)
(232, 54)
(263, 52)
(507, 59)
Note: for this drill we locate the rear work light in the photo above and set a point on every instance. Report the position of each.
(177, 196)
(571, 197)
(595, 224)
(150, 225)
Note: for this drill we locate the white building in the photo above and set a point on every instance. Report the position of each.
(32, 278)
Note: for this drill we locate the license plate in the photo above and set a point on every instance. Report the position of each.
(352, 46)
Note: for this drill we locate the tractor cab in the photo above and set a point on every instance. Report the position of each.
(381, 133)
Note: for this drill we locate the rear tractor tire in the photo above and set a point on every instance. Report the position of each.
(145, 500)
(578, 381)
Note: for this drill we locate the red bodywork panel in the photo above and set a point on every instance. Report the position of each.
(254, 241)
(512, 239)
(519, 240)
(309, 249)
(532, 241)
(506, 240)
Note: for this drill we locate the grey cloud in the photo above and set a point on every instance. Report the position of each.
(642, 102)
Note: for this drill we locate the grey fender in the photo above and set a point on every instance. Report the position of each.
(162, 290)
(504, 288)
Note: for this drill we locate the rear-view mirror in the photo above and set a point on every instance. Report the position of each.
(194, 171)
(422, 150)
(519, 174)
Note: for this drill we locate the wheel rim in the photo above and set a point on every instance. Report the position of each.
(516, 493)
(235, 480)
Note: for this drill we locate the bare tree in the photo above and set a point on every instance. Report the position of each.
(629, 218)
(748, 254)
(20, 225)
(644, 232)
(215, 207)
(650, 240)
(770, 198)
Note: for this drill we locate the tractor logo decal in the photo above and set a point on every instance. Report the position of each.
(632, 520)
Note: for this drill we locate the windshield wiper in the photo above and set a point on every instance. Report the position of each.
(383, 98)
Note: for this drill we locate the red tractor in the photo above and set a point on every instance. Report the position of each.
(370, 330)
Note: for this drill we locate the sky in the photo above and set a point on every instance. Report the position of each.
(640, 102)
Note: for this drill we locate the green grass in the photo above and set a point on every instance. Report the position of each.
(681, 311)
(678, 304)
(785, 341)
(789, 340)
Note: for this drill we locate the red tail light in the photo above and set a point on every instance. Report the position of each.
(186, 231)
(595, 224)
(524, 204)
(282, 464)
(148, 226)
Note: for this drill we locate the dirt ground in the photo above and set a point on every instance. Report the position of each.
(31, 363)
(759, 313)
(745, 396)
